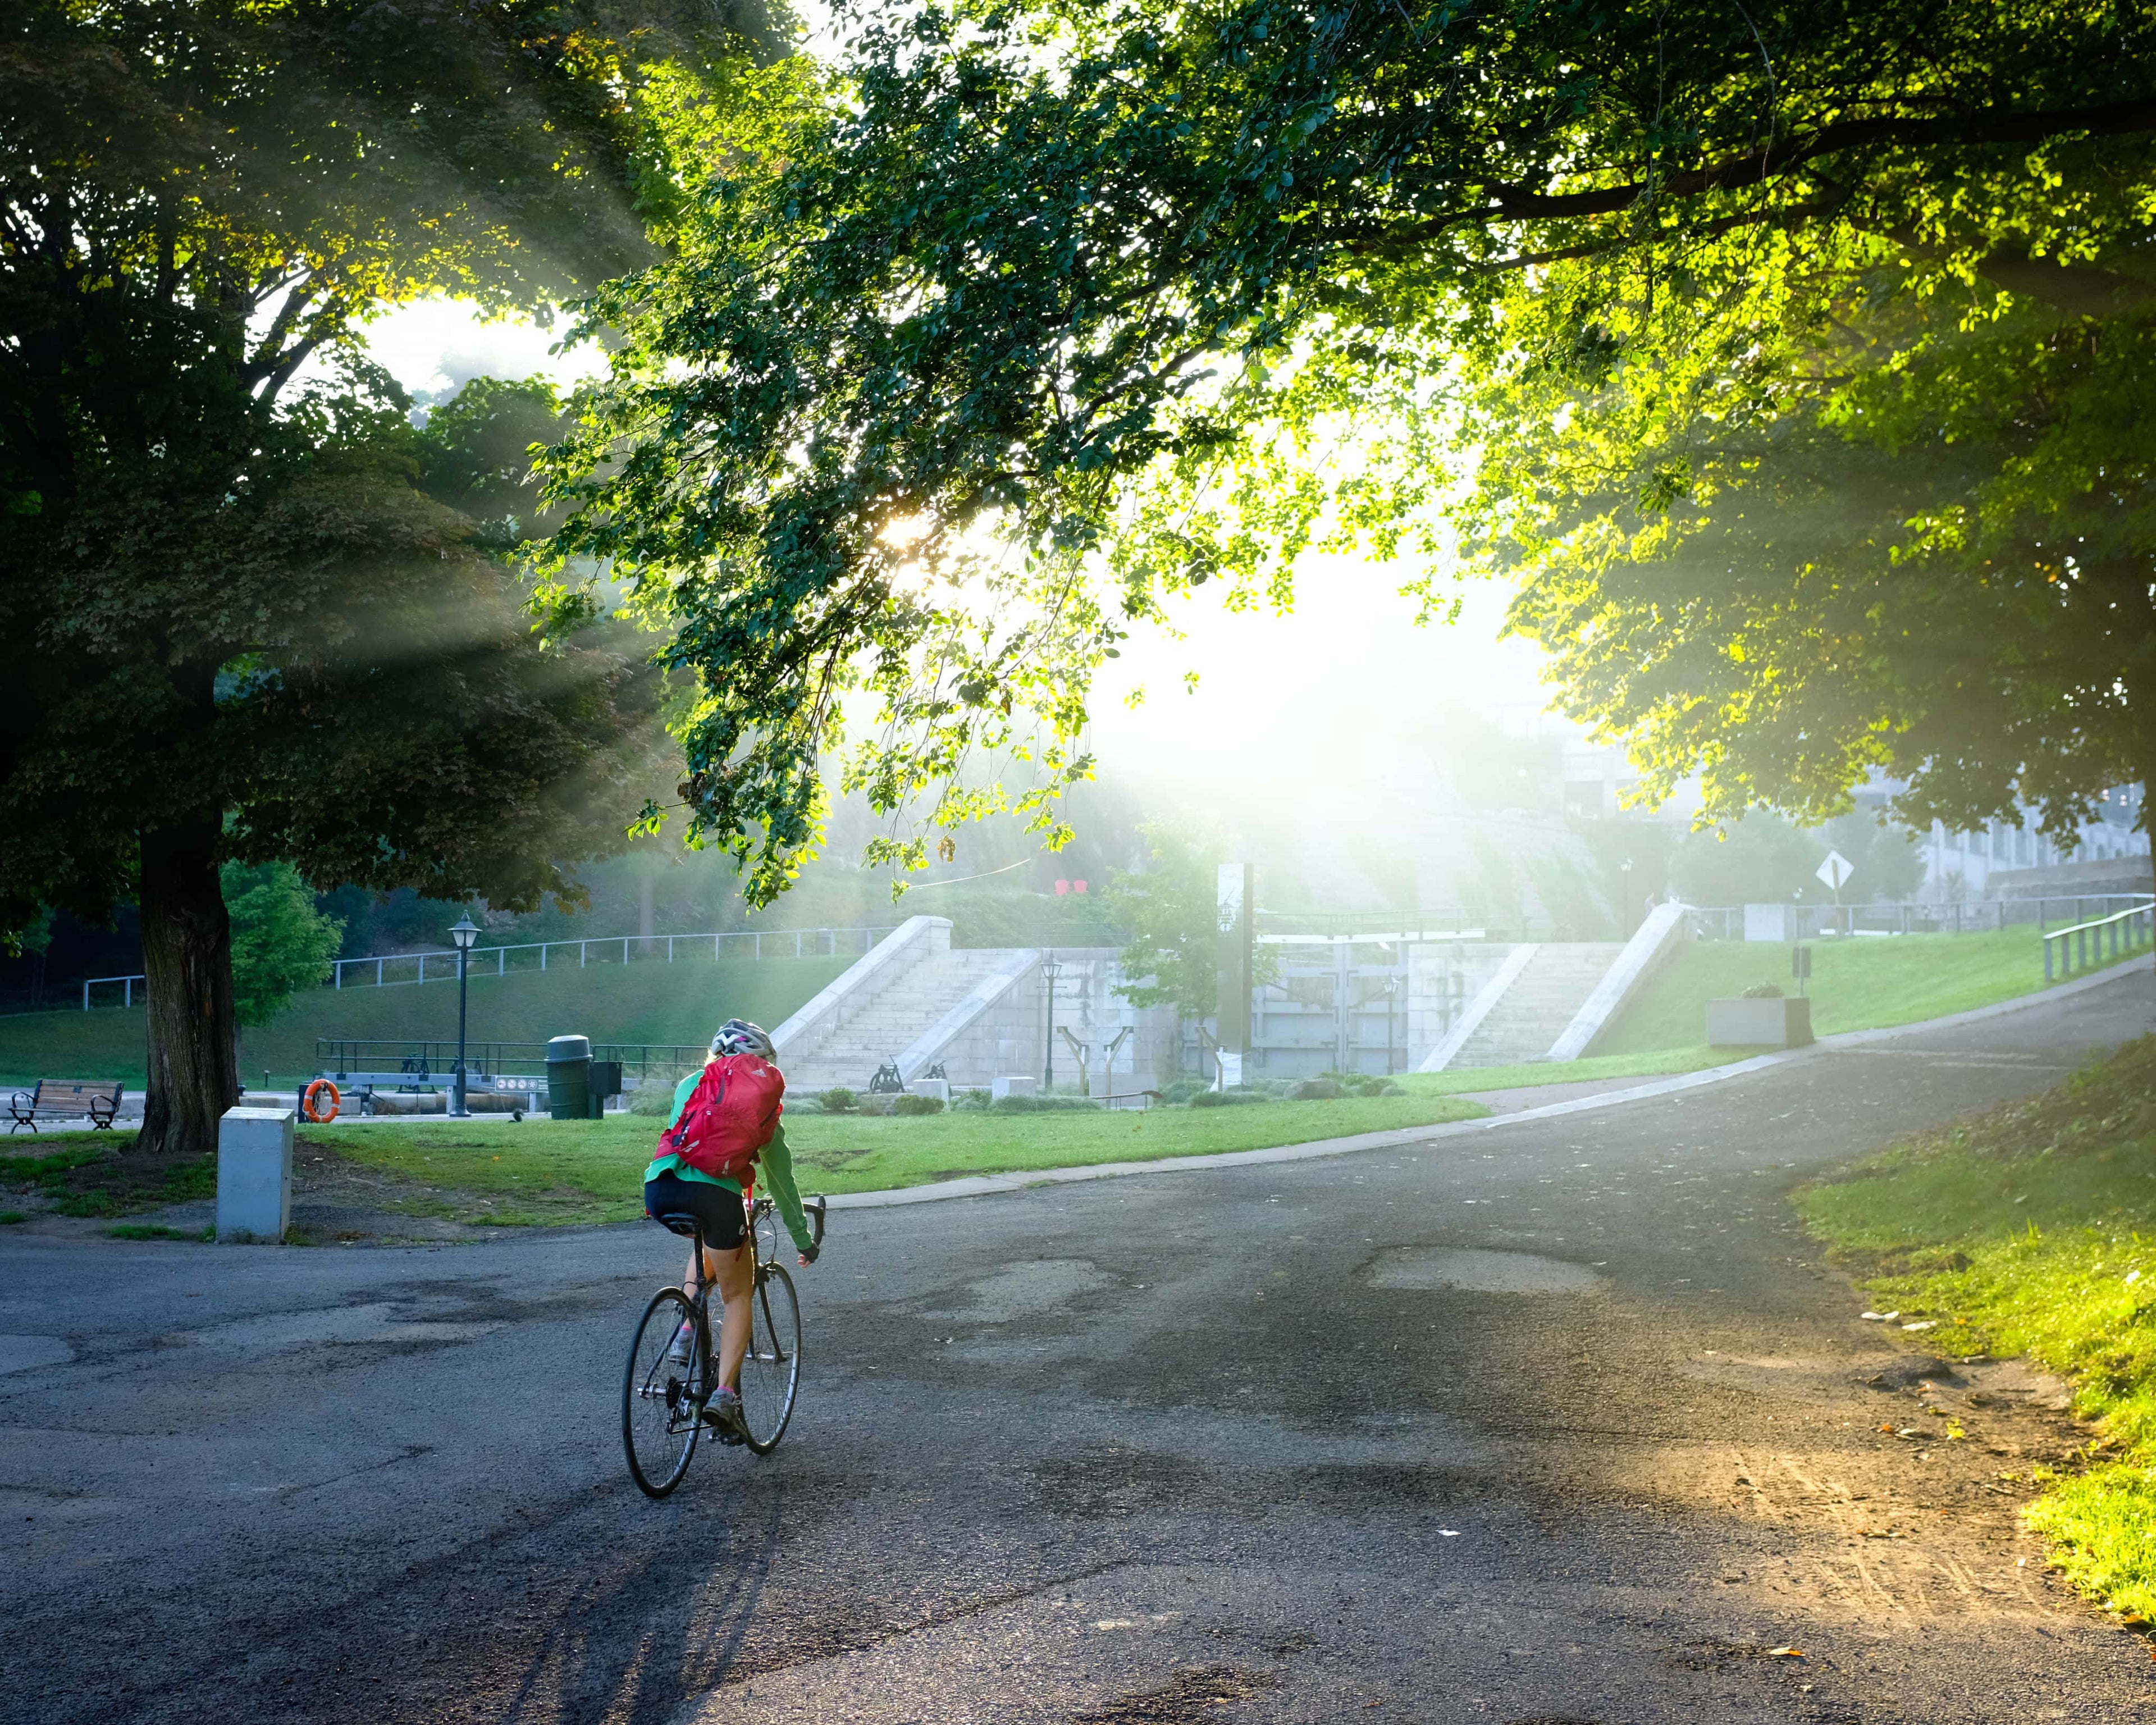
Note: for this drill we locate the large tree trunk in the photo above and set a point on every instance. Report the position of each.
(187, 960)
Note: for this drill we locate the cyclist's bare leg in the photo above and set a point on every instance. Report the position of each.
(731, 1272)
(737, 1281)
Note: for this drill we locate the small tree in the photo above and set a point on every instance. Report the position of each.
(1174, 958)
(1761, 858)
(280, 942)
(1885, 857)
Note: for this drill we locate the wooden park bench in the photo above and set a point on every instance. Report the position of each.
(65, 1099)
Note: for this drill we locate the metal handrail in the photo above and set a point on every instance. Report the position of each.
(868, 938)
(1949, 917)
(2122, 933)
(127, 1000)
(423, 1059)
(1443, 924)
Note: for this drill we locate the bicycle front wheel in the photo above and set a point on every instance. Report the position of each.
(662, 1393)
(771, 1372)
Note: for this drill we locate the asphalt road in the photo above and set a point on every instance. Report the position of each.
(1227, 1446)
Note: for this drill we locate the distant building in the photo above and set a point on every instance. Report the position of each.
(1976, 864)
(1598, 776)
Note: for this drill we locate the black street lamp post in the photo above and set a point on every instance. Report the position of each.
(464, 934)
(1050, 971)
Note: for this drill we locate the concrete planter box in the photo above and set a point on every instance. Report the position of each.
(1786, 1023)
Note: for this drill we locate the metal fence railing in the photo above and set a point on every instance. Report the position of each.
(427, 1062)
(441, 967)
(1967, 917)
(1375, 926)
(2086, 945)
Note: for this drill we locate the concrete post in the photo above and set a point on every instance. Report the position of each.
(1235, 904)
(253, 1174)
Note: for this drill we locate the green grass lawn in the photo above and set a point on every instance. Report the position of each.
(2033, 1229)
(1860, 984)
(98, 1174)
(1614, 1068)
(544, 1171)
(646, 1001)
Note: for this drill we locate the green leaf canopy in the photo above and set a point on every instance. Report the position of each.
(1030, 318)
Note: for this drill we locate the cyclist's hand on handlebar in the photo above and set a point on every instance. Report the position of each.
(809, 1255)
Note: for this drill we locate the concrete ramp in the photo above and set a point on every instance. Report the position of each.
(1667, 927)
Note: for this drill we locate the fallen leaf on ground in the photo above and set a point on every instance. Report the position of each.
(1785, 1653)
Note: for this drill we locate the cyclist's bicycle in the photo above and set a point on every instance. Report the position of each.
(663, 1393)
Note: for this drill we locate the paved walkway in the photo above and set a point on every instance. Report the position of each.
(1560, 1418)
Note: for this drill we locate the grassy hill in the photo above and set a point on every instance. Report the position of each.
(1855, 985)
(646, 1001)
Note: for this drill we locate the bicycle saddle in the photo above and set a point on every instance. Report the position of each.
(676, 1223)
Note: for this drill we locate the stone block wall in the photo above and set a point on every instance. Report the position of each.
(1011, 1036)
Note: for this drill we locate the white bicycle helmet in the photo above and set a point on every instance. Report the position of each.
(739, 1036)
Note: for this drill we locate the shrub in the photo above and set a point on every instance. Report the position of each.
(1042, 1105)
(912, 1104)
(653, 1098)
(1315, 1090)
(1763, 991)
(977, 1099)
(1184, 1088)
(838, 1099)
(1361, 1083)
(1228, 1098)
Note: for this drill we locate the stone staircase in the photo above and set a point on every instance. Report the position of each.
(883, 1026)
(1539, 1005)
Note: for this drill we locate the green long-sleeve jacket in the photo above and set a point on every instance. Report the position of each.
(775, 1159)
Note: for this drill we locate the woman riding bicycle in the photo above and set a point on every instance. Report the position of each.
(674, 1186)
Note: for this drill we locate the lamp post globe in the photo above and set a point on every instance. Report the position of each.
(466, 934)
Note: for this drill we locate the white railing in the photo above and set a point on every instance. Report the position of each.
(761, 943)
(2090, 945)
(1968, 916)
(128, 981)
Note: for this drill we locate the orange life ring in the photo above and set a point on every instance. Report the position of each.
(308, 1102)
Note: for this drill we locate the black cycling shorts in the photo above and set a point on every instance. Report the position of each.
(718, 1208)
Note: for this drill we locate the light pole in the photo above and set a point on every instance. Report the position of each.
(1390, 989)
(464, 934)
(1049, 970)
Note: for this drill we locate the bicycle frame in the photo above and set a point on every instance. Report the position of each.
(769, 1343)
(757, 1210)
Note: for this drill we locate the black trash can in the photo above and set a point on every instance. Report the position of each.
(606, 1085)
(569, 1078)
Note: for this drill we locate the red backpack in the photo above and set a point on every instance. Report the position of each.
(729, 1116)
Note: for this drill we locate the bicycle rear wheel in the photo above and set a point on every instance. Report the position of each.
(771, 1372)
(661, 1395)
